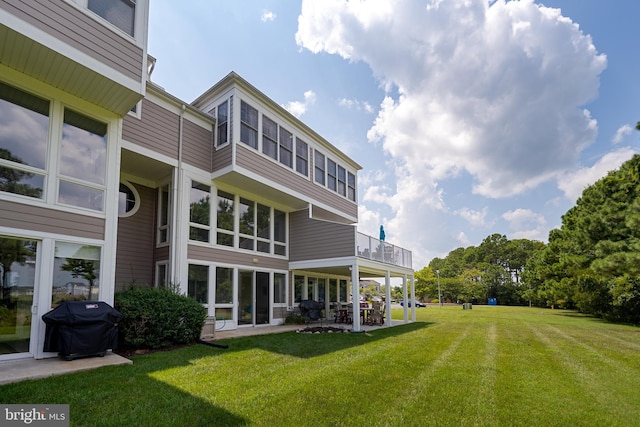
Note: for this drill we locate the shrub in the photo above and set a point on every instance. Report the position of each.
(156, 318)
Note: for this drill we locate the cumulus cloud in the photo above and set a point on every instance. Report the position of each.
(492, 90)
(298, 108)
(622, 131)
(473, 217)
(267, 15)
(354, 104)
(573, 183)
(526, 224)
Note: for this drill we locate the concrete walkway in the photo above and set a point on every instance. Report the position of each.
(30, 369)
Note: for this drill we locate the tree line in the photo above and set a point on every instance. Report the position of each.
(591, 263)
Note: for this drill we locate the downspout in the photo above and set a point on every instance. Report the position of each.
(177, 217)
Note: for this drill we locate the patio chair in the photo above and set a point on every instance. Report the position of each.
(376, 315)
(311, 310)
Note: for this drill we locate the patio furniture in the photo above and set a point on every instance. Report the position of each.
(311, 310)
(376, 314)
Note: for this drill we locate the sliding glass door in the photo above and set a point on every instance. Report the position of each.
(253, 297)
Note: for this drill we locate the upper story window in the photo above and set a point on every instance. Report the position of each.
(332, 174)
(318, 162)
(269, 137)
(121, 13)
(248, 125)
(24, 119)
(80, 166)
(223, 120)
(199, 212)
(258, 227)
(302, 157)
(286, 147)
(342, 181)
(351, 186)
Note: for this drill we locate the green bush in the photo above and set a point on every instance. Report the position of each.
(157, 318)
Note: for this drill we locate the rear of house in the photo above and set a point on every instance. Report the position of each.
(108, 181)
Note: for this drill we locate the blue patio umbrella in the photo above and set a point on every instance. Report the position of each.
(381, 233)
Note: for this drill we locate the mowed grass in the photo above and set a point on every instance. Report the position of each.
(489, 366)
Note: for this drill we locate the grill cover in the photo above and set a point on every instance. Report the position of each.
(81, 328)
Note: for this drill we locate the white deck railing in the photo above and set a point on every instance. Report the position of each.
(371, 248)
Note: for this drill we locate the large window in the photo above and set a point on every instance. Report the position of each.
(76, 273)
(164, 214)
(223, 120)
(225, 219)
(199, 212)
(247, 224)
(318, 162)
(269, 137)
(248, 125)
(351, 186)
(286, 147)
(82, 161)
(24, 121)
(280, 232)
(198, 286)
(279, 288)
(224, 285)
(302, 157)
(121, 13)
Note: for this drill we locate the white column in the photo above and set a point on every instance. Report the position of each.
(355, 299)
(413, 299)
(405, 296)
(387, 306)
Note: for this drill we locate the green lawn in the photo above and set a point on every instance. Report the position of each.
(489, 366)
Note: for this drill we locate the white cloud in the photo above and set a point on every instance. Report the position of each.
(267, 15)
(473, 217)
(463, 239)
(574, 182)
(298, 108)
(354, 104)
(526, 224)
(622, 131)
(491, 88)
(488, 90)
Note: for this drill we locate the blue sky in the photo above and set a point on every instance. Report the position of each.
(469, 117)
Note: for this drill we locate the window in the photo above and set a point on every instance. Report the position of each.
(342, 181)
(269, 137)
(127, 200)
(279, 288)
(198, 287)
(162, 275)
(120, 13)
(280, 232)
(223, 119)
(286, 147)
(302, 157)
(351, 186)
(199, 212)
(225, 219)
(332, 175)
(248, 125)
(164, 213)
(247, 222)
(24, 119)
(319, 167)
(263, 231)
(298, 284)
(76, 272)
(224, 285)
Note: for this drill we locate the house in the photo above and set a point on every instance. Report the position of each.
(108, 181)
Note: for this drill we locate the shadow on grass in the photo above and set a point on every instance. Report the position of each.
(312, 345)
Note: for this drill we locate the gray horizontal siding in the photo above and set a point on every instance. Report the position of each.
(41, 219)
(157, 129)
(312, 239)
(197, 146)
(222, 158)
(221, 256)
(136, 241)
(252, 160)
(69, 25)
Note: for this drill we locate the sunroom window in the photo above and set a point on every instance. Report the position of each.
(121, 13)
(248, 125)
(199, 212)
(319, 167)
(269, 137)
(223, 119)
(302, 157)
